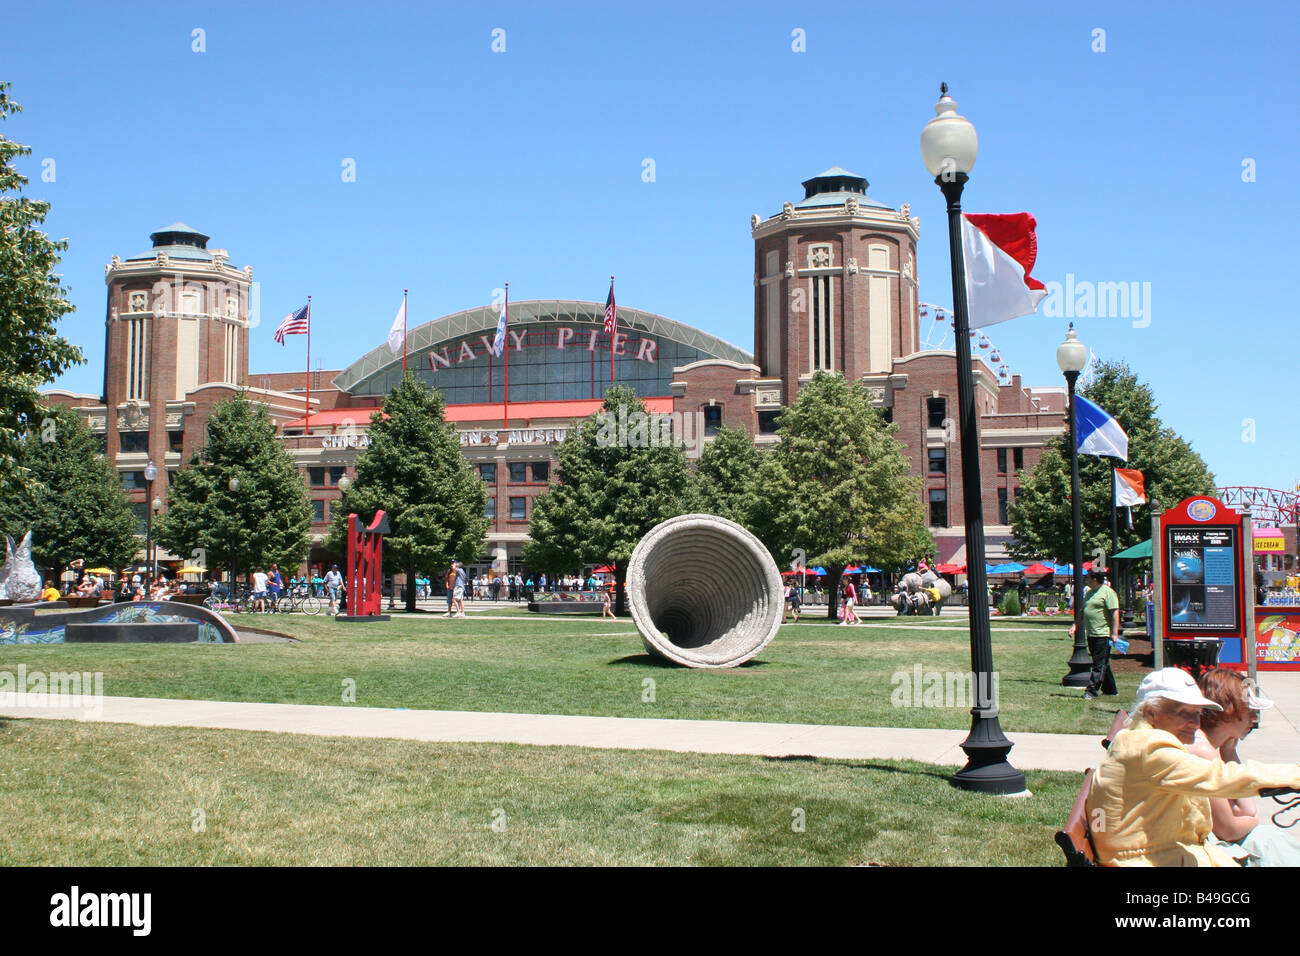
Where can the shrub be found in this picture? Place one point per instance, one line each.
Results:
(1011, 604)
(1042, 604)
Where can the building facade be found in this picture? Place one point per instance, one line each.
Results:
(835, 289)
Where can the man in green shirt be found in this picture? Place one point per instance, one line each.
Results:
(1101, 624)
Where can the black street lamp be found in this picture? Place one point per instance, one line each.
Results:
(153, 559)
(1072, 356)
(948, 147)
(233, 485)
(150, 473)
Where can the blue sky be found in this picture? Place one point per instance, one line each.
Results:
(476, 167)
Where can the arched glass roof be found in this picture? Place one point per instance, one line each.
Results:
(483, 319)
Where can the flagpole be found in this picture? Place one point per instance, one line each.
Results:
(403, 333)
(613, 330)
(505, 347)
(306, 429)
(1114, 511)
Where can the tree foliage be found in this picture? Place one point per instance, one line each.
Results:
(414, 471)
(267, 520)
(71, 498)
(725, 476)
(616, 478)
(31, 303)
(838, 488)
(1041, 520)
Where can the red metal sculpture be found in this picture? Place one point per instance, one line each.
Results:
(365, 565)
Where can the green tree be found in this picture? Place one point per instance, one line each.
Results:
(31, 303)
(838, 488)
(725, 476)
(1041, 520)
(71, 499)
(618, 475)
(265, 520)
(414, 471)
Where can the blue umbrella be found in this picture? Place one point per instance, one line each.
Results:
(1009, 568)
(870, 570)
(818, 570)
(852, 571)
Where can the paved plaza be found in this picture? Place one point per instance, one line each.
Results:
(1277, 740)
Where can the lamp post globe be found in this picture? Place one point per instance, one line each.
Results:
(344, 484)
(949, 146)
(949, 143)
(233, 484)
(1072, 356)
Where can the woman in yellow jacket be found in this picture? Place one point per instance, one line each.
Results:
(1150, 799)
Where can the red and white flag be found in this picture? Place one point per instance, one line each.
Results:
(1000, 253)
(1130, 489)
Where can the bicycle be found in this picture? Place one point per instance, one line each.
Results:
(299, 599)
(240, 603)
(1277, 793)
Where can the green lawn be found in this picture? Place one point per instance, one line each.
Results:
(811, 673)
(109, 795)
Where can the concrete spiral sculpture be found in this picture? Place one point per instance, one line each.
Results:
(704, 592)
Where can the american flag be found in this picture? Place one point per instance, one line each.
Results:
(295, 323)
(611, 311)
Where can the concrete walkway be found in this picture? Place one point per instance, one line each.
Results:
(1278, 739)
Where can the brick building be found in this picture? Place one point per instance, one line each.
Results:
(835, 288)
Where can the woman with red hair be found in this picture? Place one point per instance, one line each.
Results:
(1250, 840)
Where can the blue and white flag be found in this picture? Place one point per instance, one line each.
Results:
(499, 343)
(1098, 433)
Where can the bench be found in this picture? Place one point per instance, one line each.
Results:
(1074, 840)
(1120, 719)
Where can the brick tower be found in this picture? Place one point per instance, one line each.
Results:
(177, 319)
(834, 284)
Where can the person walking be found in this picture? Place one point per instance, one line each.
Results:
(260, 584)
(458, 594)
(449, 582)
(606, 610)
(1101, 626)
(849, 594)
(791, 602)
(333, 582)
(275, 584)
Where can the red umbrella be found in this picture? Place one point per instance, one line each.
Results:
(605, 570)
(951, 568)
(1037, 570)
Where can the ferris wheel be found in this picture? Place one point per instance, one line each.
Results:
(936, 334)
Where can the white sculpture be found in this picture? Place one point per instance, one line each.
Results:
(681, 620)
(19, 579)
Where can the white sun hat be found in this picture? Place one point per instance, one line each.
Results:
(1175, 684)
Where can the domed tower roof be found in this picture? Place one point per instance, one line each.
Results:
(832, 187)
(179, 241)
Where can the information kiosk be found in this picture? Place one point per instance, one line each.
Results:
(1204, 573)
